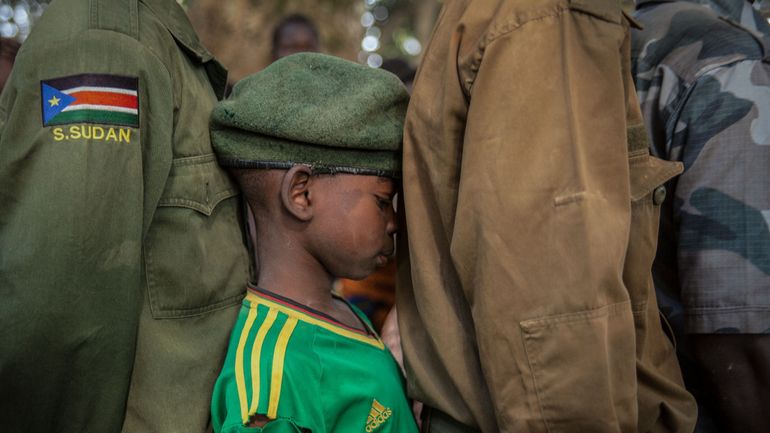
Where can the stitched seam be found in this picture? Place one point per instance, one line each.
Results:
(550, 321)
(532, 364)
(676, 114)
(512, 24)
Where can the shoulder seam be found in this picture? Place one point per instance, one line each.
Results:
(508, 26)
(74, 39)
(129, 27)
(505, 27)
(674, 119)
(757, 37)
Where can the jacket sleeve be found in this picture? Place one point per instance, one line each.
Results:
(720, 202)
(77, 196)
(720, 218)
(542, 223)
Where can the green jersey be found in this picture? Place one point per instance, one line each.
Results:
(307, 372)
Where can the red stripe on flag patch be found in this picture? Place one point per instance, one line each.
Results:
(105, 98)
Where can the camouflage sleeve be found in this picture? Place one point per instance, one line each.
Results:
(721, 207)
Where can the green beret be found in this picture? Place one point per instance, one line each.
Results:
(309, 108)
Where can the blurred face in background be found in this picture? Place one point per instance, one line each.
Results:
(295, 38)
(8, 50)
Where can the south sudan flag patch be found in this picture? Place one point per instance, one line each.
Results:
(90, 98)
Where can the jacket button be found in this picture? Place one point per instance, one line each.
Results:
(659, 195)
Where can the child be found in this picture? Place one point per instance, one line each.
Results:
(314, 142)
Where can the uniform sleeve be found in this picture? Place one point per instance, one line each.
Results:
(721, 212)
(86, 131)
(542, 224)
(721, 203)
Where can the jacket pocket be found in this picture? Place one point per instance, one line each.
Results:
(649, 173)
(195, 259)
(663, 402)
(584, 370)
(648, 191)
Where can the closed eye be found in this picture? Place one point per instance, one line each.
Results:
(384, 203)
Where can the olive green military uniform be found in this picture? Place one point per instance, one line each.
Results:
(121, 257)
(531, 203)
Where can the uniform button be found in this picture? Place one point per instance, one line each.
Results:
(659, 195)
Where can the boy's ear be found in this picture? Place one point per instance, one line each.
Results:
(295, 192)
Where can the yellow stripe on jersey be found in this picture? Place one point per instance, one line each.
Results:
(240, 380)
(256, 299)
(278, 357)
(376, 405)
(256, 353)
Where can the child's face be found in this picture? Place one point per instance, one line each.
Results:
(354, 224)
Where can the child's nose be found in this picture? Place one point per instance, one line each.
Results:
(392, 226)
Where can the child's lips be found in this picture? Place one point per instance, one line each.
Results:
(382, 259)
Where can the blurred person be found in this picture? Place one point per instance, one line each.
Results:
(121, 258)
(525, 299)
(402, 69)
(703, 78)
(295, 33)
(8, 50)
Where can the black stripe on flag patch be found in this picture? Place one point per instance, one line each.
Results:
(98, 80)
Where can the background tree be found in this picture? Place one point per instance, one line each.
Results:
(239, 32)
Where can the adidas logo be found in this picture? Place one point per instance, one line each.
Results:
(378, 414)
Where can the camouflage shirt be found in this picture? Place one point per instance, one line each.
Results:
(702, 74)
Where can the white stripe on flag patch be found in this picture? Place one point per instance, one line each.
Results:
(99, 89)
(101, 108)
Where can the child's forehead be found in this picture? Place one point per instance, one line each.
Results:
(380, 182)
(390, 182)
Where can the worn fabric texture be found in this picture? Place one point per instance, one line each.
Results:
(330, 113)
(121, 258)
(531, 206)
(703, 77)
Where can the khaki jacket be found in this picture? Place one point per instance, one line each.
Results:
(531, 207)
(121, 258)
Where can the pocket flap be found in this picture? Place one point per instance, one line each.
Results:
(632, 22)
(649, 172)
(608, 10)
(197, 183)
